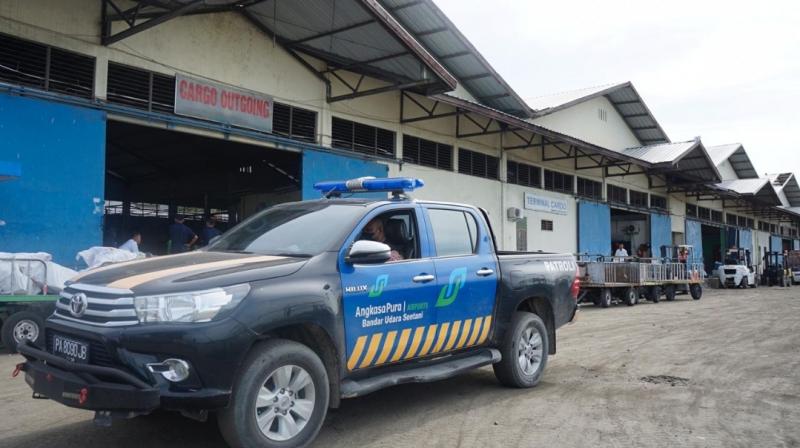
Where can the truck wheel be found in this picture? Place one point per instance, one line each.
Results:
(605, 298)
(279, 399)
(524, 350)
(669, 293)
(696, 291)
(654, 294)
(22, 325)
(631, 296)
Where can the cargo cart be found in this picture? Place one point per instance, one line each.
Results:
(25, 301)
(606, 279)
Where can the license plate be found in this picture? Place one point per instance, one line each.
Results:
(75, 351)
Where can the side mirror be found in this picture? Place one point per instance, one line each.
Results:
(364, 251)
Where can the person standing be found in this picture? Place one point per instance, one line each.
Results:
(621, 252)
(209, 232)
(132, 245)
(181, 237)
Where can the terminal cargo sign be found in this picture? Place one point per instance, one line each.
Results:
(545, 204)
(222, 103)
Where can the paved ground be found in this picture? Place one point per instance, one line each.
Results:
(720, 372)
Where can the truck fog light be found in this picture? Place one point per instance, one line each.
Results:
(174, 370)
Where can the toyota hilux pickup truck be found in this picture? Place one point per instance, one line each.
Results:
(300, 306)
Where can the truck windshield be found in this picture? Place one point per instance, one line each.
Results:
(303, 229)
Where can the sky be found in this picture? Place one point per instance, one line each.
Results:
(727, 71)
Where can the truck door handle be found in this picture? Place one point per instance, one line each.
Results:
(423, 278)
(483, 272)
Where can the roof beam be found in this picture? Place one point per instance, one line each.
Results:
(440, 29)
(331, 32)
(177, 12)
(617, 103)
(474, 77)
(377, 90)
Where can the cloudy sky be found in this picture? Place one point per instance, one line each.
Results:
(728, 71)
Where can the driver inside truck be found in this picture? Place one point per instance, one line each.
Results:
(374, 231)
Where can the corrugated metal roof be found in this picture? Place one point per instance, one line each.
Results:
(662, 153)
(744, 186)
(738, 158)
(623, 96)
(787, 184)
(687, 159)
(359, 35)
(431, 27)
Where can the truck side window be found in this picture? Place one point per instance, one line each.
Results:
(399, 232)
(453, 232)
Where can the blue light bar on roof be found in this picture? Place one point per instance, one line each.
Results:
(369, 184)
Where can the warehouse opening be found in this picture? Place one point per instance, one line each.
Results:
(154, 174)
(713, 244)
(631, 228)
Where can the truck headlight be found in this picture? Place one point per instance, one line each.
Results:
(193, 306)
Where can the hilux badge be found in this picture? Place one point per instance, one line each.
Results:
(77, 304)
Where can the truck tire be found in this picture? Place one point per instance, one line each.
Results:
(605, 298)
(22, 324)
(669, 293)
(631, 296)
(524, 351)
(283, 388)
(696, 291)
(654, 294)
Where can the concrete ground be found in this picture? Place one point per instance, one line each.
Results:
(720, 372)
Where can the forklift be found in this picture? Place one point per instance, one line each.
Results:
(776, 272)
(736, 270)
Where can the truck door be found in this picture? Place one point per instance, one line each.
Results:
(389, 312)
(467, 276)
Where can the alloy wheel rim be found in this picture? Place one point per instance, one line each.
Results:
(529, 351)
(285, 403)
(26, 330)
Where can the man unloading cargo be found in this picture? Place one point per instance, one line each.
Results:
(132, 245)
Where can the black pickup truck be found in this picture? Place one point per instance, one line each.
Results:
(300, 306)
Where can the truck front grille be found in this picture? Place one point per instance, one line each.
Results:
(730, 271)
(96, 305)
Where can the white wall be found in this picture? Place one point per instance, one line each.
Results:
(563, 238)
(726, 170)
(582, 121)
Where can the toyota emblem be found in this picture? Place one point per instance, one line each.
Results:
(78, 304)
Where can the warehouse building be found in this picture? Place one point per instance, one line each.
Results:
(223, 108)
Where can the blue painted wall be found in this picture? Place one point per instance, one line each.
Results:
(594, 228)
(694, 237)
(61, 150)
(746, 242)
(660, 232)
(321, 166)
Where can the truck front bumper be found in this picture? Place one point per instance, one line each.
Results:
(86, 386)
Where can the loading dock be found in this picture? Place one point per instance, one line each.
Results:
(153, 174)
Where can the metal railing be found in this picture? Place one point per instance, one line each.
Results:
(609, 270)
(24, 277)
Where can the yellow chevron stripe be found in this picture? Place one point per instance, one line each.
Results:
(476, 329)
(374, 343)
(487, 324)
(401, 345)
(136, 280)
(415, 342)
(464, 333)
(442, 337)
(387, 347)
(351, 363)
(453, 335)
(428, 340)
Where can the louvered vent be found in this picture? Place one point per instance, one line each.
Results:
(141, 89)
(30, 64)
(294, 122)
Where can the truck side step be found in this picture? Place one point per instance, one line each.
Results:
(426, 374)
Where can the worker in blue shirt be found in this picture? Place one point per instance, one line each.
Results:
(181, 237)
(209, 231)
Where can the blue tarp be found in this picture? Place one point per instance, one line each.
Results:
(660, 232)
(746, 242)
(694, 237)
(594, 228)
(323, 166)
